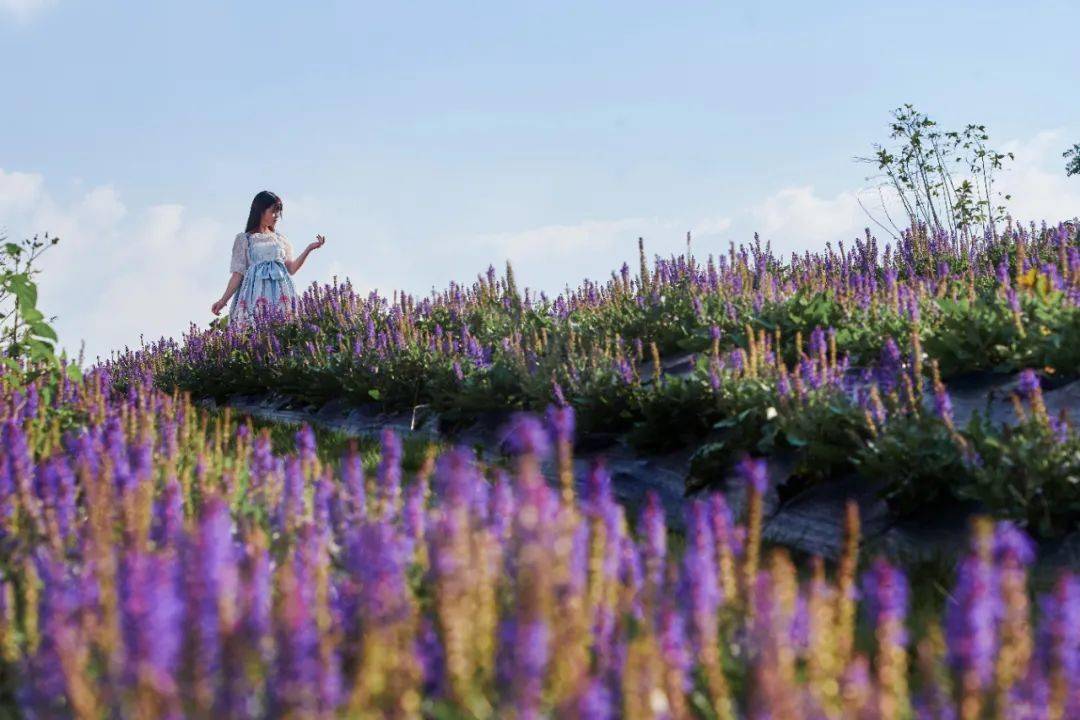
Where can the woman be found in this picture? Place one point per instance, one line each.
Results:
(262, 262)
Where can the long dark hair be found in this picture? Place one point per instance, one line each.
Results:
(265, 199)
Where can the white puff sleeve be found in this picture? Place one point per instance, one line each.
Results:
(239, 261)
(286, 246)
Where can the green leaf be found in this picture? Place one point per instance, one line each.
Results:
(42, 330)
(374, 394)
(30, 315)
(23, 290)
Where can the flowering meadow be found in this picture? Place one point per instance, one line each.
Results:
(838, 362)
(159, 559)
(157, 563)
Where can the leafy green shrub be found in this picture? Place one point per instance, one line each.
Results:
(1029, 472)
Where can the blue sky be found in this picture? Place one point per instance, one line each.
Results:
(426, 140)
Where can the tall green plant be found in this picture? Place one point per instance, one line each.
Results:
(941, 178)
(27, 336)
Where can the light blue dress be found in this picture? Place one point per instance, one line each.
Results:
(262, 257)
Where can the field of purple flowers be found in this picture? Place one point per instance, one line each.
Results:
(160, 563)
(836, 363)
(161, 560)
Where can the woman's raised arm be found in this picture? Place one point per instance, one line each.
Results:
(293, 265)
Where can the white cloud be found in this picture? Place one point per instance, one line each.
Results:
(1037, 180)
(550, 257)
(18, 191)
(562, 240)
(117, 274)
(23, 10)
(101, 207)
(710, 227)
(798, 218)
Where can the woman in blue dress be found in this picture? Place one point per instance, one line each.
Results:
(261, 263)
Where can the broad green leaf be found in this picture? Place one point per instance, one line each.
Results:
(42, 329)
(31, 315)
(24, 291)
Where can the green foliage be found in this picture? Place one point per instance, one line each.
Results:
(28, 339)
(817, 436)
(332, 444)
(1072, 158)
(942, 178)
(26, 333)
(672, 414)
(916, 460)
(761, 356)
(1029, 473)
(986, 333)
(822, 435)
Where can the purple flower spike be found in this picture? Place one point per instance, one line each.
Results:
(293, 689)
(890, 364)
(755, 473)
(305, 443)
(1012, 542)
(389, 472)
(211, 585)
(970, 619)
(525, 435)
(673, 645)
(169, 515)
(595, 702)
(292, 501)
(886, 592)
(561, 421)
(413, 513)
(62, 599)
(1059, 633)
(432, 658)
(943, 404)
(700, 588)
(557, 391)
(530, 658)
(152, 617)
(653, 532)
(379, 556)
(502, 505)
(1028, 385)
(352, 480)
(454, 477)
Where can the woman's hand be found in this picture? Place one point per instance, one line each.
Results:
(217, 307)
(319, 242)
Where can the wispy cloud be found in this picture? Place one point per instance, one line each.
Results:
(551, 256)
(117, 273)
(23, 10)
(18, 191)
(1037, 180)
(799, 218)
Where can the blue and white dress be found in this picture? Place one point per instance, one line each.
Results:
(261, 257)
